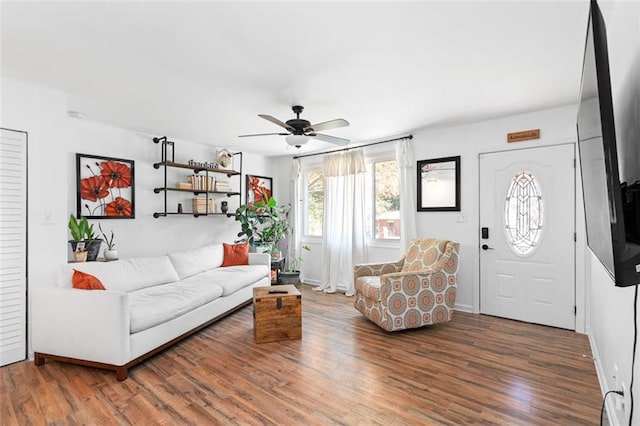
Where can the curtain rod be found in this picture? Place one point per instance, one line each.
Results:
(353, 147)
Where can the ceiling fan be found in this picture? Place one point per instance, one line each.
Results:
(301, 130)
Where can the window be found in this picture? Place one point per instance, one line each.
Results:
(383, 203)
(386, 206)
(523, 213)
(313, 202)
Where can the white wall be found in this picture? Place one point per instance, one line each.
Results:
(55, 138)
(610, 322)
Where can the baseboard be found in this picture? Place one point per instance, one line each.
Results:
(612, 413)
(463, 308)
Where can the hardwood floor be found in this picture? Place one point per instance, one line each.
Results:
(345, 370)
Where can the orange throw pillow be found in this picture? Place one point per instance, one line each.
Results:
(85, 281)
(235, 254)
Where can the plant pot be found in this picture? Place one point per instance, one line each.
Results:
(79, 256)
(289, 277)
(110, 254)
(92, 248)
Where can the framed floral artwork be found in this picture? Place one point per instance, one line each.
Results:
(259, 188)
(105, 187)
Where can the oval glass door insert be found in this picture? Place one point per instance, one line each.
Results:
(523, 213)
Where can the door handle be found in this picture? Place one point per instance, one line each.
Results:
(486, 247)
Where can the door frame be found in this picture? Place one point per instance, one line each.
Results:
(580, 285)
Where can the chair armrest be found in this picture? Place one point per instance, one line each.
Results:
(376, 269)
(260, 259)
(398, 282)
(91, 325)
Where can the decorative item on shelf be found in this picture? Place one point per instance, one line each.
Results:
(80, 252)
(223, 157)
(203, 205)
(203, 164)
(83, 235)
(224, 207)
(110, 253)
(180, 208)
(105, 187)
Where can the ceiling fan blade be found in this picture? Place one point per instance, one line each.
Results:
(276, 121)
(263, 134)
(326, 125)
(331, 139)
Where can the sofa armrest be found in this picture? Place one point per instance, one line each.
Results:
(376, 269)
(89, 325)
(260, 259)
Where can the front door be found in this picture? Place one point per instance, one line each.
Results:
(527, 254)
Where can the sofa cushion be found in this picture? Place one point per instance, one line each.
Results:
(84, 281)
(158, 304)
(235, 254)
(126, 274)
(191, 262)
(231, 278)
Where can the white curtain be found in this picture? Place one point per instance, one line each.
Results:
(343, 231)
(295, 213)
(407, 176)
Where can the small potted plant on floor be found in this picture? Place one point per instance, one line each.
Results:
(81, 231)
(292, 274)
(110, 253)
(264, 223)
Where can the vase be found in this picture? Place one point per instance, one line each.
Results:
(110, 254)
(224, 207)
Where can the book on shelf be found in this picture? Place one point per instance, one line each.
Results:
(202, 182)
(184, 185)
(223, 186)
(200, 205)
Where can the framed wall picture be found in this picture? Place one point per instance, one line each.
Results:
(439, 184)
(259, 188)
(105, 187)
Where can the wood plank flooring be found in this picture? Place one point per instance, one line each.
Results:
(473, 370)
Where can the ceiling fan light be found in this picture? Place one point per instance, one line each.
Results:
(297, 140)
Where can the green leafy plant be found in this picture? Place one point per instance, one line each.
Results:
(109, 241)
(79, 228)
(295, 259)
(264, 222)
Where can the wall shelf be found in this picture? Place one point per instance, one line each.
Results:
(166, 164)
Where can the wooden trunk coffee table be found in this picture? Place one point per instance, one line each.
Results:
(277, 313)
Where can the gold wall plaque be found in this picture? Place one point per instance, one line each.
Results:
(523, 136)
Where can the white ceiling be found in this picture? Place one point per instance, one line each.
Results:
(202, 71)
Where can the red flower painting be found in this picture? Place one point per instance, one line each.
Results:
(258, 189)
(93, 188)
(117, 175)
(118, 207)
(105, 187)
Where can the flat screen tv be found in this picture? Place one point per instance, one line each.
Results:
(610, 169)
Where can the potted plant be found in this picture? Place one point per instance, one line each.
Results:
(292, 274)
(264, 223)
(81, 231)
(110, 253)
(80, 252)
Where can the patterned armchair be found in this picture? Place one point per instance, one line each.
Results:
(417, 290)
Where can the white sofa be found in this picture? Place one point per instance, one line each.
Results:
(149, 304)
